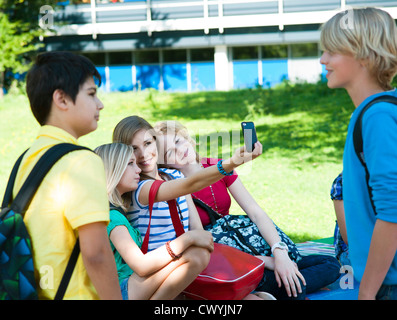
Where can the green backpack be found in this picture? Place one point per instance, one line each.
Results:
(17, 281)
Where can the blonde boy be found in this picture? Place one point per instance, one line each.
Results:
(360, 55)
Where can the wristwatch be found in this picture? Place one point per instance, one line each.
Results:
(279, 245)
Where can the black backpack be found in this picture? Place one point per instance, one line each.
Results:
(17, 281)
(358, 137)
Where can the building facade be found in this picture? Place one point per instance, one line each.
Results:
(193, 45)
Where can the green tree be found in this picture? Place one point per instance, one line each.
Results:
(20, 35)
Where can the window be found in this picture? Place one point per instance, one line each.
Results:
(245, 53)
(120, 58)
(202, 55)
(174, 55)
(302, 50)
(97, 58)
(275, 51)
(147, 56)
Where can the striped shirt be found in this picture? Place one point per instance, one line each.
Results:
(161, 228)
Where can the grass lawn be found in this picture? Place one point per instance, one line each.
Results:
(301, 127)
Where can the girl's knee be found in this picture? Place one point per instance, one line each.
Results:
(197, 257)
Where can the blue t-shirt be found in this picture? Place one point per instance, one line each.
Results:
(380, 152)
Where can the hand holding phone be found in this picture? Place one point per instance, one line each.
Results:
(249, 134)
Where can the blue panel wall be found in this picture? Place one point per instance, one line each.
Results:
(102, 72)
(120, 78)
(274, 71)
(203, 76)
(245, 74)
(174, 77)
(324, 72)
(148, 76)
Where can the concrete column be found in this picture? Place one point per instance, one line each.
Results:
(221, 61)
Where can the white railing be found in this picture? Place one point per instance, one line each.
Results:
(206, 21)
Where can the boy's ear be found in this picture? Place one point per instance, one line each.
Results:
(364, 62)
(60, 99)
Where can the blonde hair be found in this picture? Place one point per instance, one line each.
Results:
(176, 128)
(370, 35)
(115, 157)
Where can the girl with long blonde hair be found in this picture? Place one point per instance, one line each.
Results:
(162, 273)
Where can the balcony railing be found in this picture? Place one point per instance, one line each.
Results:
(96, 17)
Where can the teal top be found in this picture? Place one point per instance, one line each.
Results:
(119, 219)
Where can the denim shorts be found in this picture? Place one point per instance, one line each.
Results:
(124, 289)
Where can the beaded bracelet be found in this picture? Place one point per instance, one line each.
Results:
(221, 170)
(171, 253)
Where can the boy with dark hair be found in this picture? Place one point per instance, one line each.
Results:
(71, 203)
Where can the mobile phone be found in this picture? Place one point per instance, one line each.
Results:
(249, 134)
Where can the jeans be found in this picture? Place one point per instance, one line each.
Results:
(124, 289)
(318, 271)
(387, 293)
(344, 258)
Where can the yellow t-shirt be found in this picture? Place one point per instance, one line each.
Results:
(72, 194)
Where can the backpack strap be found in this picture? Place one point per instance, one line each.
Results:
(28, 189)
(212, 214)
(68, 271)
(176, 221)
(152, 195)
(7, 199)
(40, 170)
(173, 212)
(173, 207)
(358, 137)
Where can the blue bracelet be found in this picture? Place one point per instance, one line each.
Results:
(221, 170)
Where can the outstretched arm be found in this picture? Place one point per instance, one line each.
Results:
(179, 187)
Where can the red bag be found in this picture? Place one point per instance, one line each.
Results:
(231, 274)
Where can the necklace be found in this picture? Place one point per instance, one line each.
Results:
(212, 193)
(213, 197)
